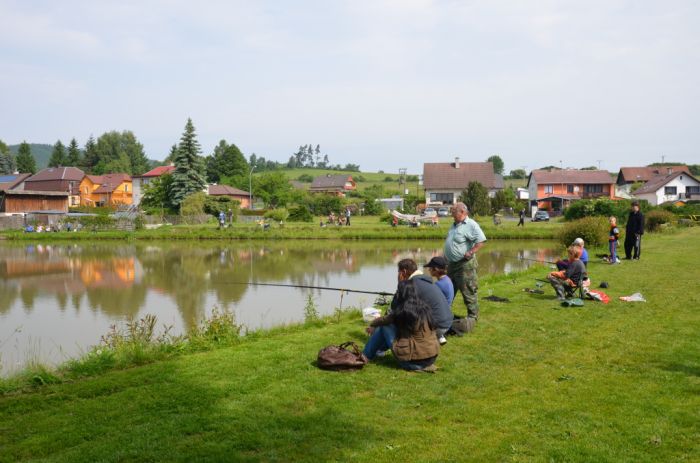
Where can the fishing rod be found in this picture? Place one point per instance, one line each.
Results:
(327, 288)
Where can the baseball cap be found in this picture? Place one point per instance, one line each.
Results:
(437, 262)
(578, 241)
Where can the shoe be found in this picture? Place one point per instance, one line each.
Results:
(442, 340)
(429, 369)
(561, 299)
(381, 353)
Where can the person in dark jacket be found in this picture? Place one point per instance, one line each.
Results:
(634, 232)
(429, 292)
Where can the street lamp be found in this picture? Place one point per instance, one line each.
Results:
(250, 188)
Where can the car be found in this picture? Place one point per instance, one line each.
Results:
(428, 212)
(443, 212)
(541, 216)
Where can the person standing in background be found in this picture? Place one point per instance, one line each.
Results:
(634, 232)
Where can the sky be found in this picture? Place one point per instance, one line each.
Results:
(385, 84)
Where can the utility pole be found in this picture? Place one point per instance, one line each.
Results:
(663, 159)
(599, 161)
(402, 180)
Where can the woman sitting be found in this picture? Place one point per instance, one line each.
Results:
(408, 330)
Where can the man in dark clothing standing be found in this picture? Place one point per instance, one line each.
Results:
(634, 232)
(522, 218)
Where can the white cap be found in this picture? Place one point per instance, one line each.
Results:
(578, 241)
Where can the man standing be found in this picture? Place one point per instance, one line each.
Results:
(464, 240)
(521, 222)
(634, 232)
(347, 216)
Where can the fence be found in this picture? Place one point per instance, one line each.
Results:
(11, 222)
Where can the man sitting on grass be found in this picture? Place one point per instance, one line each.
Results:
(566, 281)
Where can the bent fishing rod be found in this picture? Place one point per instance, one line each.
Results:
(326, 288)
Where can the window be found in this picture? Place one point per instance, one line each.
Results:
(126, 187)
(569, 188)
(592, 188)
(670, 190)
(692, 190)
(444, 198)
(549, 188)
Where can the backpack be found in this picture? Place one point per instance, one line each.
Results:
(339, 358)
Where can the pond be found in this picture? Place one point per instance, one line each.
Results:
(56, 300)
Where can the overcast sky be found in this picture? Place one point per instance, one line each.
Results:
(381, 83)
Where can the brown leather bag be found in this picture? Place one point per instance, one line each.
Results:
(341, 358)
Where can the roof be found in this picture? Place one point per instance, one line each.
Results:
(660, 180)
(565, 197)
(444, 175)
(225, 190)
(57, 173)
(34, 193)
(110, 182)
(644, 174)
(8, 182)
(331, 181)
(158, 171)
(571, 176)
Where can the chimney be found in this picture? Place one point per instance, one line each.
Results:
(669, 171)
(457, 162)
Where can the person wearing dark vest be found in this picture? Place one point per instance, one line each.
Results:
(634, 232)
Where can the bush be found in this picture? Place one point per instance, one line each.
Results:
(306, 178)
(593, 230)
(193, 204)
(388, 179)
(96, 221)
(278, 215)
(655, 219)
(301, 214)
(213, 205)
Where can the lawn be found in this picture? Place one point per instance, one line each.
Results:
(367, 227)
(534, 382)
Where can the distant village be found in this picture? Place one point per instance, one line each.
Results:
(55, 190)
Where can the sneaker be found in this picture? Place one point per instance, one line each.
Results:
(442, 340)
(381, 353)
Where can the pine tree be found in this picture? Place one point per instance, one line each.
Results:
(25, 161)
(170, 158)
(90, 158)
(58, 155)
(7, 162)
(73, 154)
(188, 176)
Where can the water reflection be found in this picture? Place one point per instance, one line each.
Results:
(58, 299)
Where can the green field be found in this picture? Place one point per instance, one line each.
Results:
(535, 382)
(370, 179)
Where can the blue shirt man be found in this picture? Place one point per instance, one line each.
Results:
(463, 241)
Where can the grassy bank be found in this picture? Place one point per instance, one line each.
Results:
(535, 382)
(362, 228)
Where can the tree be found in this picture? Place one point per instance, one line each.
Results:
(228, 162)
(90, 158)
(188, 176)
(58, 155)
(170, 158)
(73, 158)
(156, 194)
(499, 201)
(518, 174)
(273, 188)
(119, 152)
(193, 204)
(25, 161)
(497, 164)
(7, 161)
(476, 197)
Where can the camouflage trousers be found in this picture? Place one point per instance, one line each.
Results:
(465, 280)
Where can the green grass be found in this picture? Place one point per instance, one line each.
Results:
(535, 382)
(370, 178)
(362, 228)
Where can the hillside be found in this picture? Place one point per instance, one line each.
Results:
(363, 179)
(40, 151)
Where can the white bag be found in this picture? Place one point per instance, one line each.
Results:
(370, 313)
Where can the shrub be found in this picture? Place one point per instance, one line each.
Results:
(301, 214)
(215, 204)
(193, 204)
(306, 178)
(278, 215)
(388, 179)
(96, 221)
(655, 219)
(593, 230)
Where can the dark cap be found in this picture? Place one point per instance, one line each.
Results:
(635, 203)
(437, 262)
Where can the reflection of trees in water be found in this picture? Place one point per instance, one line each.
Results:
(105, 273)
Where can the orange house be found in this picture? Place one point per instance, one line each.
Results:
(554, 190)
(106, 190)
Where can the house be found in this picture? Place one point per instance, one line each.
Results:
(332, 184)
(522, 193)
(675, 186)
(26, 201)
(628, 176)
(106, 190)
(13, 181)
(234, 193)
(554, 190)
(138, 182)
(444, 182)
(66, 179)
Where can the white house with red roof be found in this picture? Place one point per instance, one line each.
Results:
(444, 182)
(138, 182)
(672, 187)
